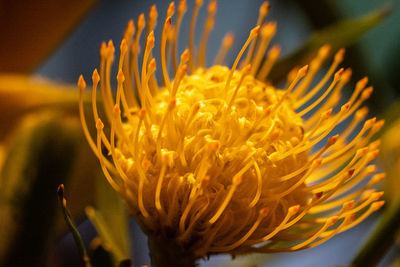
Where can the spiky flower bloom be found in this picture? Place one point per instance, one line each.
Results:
(221, 161)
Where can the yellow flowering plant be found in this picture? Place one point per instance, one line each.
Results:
(218, 159)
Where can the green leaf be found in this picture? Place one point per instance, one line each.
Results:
(341, 34)
(110, 219)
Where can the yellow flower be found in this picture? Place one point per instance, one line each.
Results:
(221, 161)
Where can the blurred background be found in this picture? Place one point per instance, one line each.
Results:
(60, 40)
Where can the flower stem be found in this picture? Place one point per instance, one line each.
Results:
(165, 252)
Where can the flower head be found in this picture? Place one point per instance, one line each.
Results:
(218, 160)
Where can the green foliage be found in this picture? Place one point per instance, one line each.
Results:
(41, 156)
(341, 34)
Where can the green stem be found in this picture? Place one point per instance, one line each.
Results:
(166, 253)
(381, 240)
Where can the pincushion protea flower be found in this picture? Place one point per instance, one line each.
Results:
(218, 160)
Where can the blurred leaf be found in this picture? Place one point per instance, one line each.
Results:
(41, 156)
(341, 34)
(21, 94)
(32, 29)
(110, 219)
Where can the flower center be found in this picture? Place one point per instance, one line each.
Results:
(210, 134)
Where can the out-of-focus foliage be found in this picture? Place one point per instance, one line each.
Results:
(41, 156)
(338, 35)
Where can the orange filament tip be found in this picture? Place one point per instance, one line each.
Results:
(268, 111)
(150, 39)
(352, 217)
(318, 162)
(120, 76)
(276, 134)
(166, 158)
(171, 9)
(362, 83)
(254, 32)
(142, 113)
(367, 92)
(376, 143)
(294, 209)
(199, 2)
(328, 113)
(146, 164)
(228, 40)
(168, 22)
(340, 55)
(318, 195)
(345, 107)
(377, 205)
(264, 8)
(141, 22)
(206, 180)
(196, 107)
(377, 195)
(81, 83)
(152, 64)
(269, 29)
(370, 169)
(264, 212)
(185, 56)
(247, 68)
(361, 113)
(332, 220)
(367, 194)
(212, 7)
(123, 47)
(370, 122)
(362, 151)
(379, 125)
(332, 140)
(184, 69)
(172, 103)
(303, 71)
(117, 110)
(347, 74)
(324, 51)
(95, 76)
(103, 49)
(237, 180)
(130, 27)
(213, 146)
(374, 154)
(349, 204)
(274, 52)
(378, 178)
(338, 74)
(182, 6)
(153, 12)
(110, 44)
(292, 73)
(99, 124)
